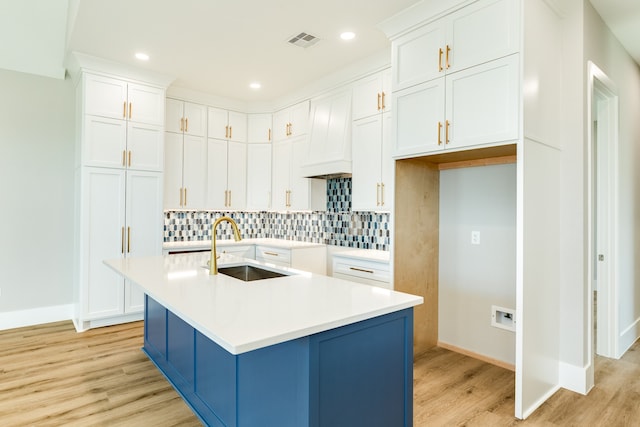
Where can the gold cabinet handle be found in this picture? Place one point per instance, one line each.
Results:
(122, 241)
(185, 196)
(383, 106)
(229, 198)
(269, 134)
(377, 194)
(124, 158)
(186, 125)
(130, 108)
(362, 270)
(230, 132)
(382, 194)
(447, 60)
(129, 158)
(226, 198)
(182, 124)
(226, 131)
(379, 103)
(271, 253)
(446, 131)
(439, 133)
(128, 240)
(440, 52)
(180, 196)
(124, 110)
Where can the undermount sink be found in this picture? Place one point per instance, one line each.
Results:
(249, 273)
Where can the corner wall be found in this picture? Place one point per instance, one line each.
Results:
(36, 160)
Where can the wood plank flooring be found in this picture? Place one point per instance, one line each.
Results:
(52, 376)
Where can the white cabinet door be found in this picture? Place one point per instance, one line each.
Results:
(145, 147)
(105, 97)
(366, 164)
(372, 95)
(481, 32)
(299, 118)
(259, 128)
(281, 175)
(418, 55)
(144, 227)
(299, 196)
(194, 172)
(174, 115)
(387, 189)
(237, 126)
(195, 119)
(259, 176)
(217, 195)
(236, 175)
(419, 118)
(104, 142)
(483, 103)
(173, 170)
(103, 237)
(146, 104)
(217, 123)
(280, 125)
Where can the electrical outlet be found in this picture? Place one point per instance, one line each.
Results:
(475, 237)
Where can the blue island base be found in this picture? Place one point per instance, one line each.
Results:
(356, 375)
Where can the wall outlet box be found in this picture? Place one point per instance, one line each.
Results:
(503, 318)
(475, 237)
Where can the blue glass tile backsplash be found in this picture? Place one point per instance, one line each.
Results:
(338, 225)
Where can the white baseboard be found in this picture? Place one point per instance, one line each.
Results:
(35, 316)
(627, 338)
(576, 378)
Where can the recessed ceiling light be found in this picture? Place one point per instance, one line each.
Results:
(348, 35)
(142, 56)
(255, 85)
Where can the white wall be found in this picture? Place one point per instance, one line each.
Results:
(605, 51)
(472, 278)
(36, 214)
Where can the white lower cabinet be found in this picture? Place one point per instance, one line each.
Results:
(312, 258)
(367, 271)
(120, 216)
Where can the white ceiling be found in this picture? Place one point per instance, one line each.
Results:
(220, 46)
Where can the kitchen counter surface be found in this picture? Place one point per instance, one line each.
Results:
(365, 254)
(243, 316)
(202, 244)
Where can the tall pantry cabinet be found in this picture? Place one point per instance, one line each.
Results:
(119, 187)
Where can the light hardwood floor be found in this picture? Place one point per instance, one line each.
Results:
(52, 376)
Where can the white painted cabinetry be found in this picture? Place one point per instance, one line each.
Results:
(372, 95)
(290, 190)
(122, 125)
(291, 122)
(185, 173)
(229, 125)
(456, 80)
(376, 272)
(227, 177)
(258, 176)
(372, 179)
(119, 196)
(309, 258)
(259, 128)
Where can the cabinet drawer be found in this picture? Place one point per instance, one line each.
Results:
(246, 251)
(362, 271)
(275, 255)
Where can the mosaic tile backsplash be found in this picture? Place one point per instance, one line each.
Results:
(337, 226)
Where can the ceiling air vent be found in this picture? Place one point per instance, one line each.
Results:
(303, 40)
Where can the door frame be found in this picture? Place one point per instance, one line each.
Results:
(602, 92)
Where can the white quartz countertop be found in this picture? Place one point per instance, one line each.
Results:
(243, 316)
(277, 243)
(365, 254)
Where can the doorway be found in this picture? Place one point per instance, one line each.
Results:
(603, 200)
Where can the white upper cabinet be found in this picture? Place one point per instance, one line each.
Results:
(372, 95)
(259, 128)
(291, 122)
(227, 174)
(119, 99)
(185, 117)
(122, 124)
(481, 32)
(229, 125)
(259, 176)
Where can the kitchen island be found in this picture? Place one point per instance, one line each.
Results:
(298, 350)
